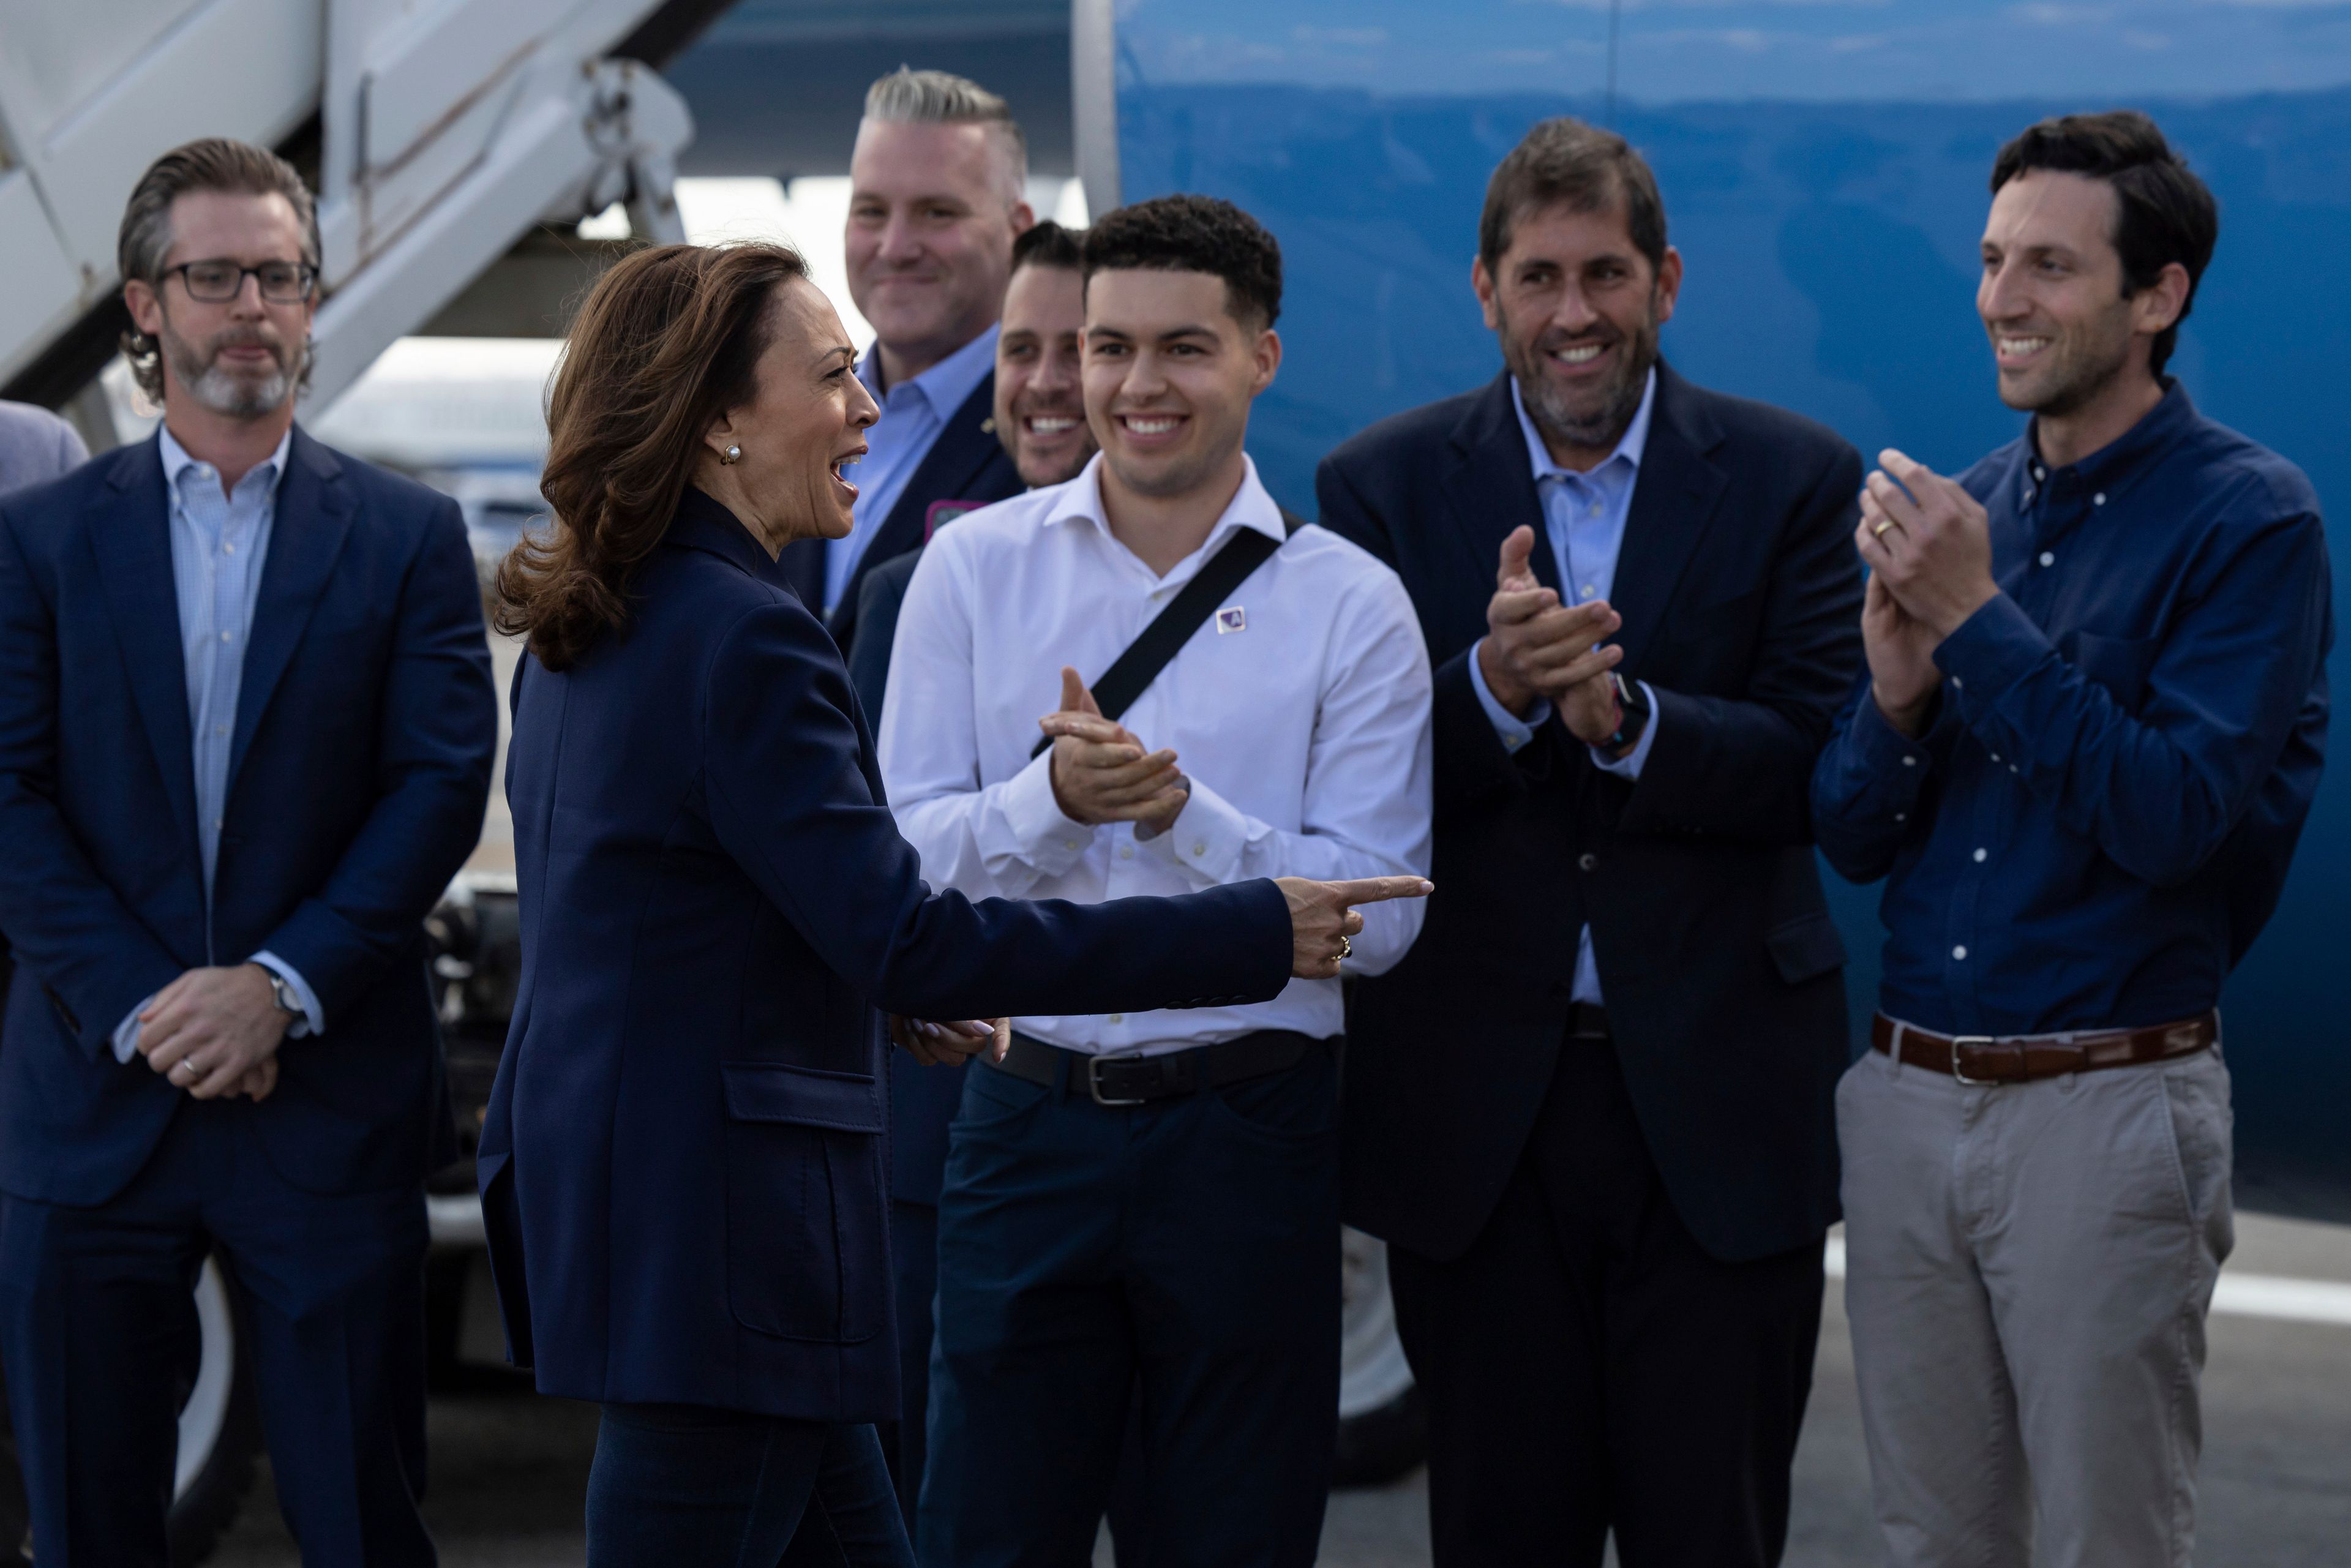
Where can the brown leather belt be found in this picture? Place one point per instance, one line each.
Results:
(1130, 1080)
(1982, 1059)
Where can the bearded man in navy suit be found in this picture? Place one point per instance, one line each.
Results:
(1592, 1112)
(245, 730)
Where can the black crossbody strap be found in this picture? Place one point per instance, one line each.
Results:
(1136, 669)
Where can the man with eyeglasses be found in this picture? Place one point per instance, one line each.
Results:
(246, 730)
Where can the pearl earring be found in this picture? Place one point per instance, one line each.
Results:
(731, 455)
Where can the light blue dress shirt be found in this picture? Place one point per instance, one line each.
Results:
(912, 414)
(219, 542)
(1584, 513)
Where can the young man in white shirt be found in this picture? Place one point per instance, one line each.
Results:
(1148, 1202)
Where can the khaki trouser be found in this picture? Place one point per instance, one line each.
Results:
(2027, 1267)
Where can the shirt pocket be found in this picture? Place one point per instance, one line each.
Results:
(805, 1219)
(2118, 663)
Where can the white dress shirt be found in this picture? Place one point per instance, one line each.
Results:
(1300, 714)
(1584, 515)
(912, 414)
(219, 543)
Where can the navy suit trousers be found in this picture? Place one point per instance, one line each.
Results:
(99, 1328)
(1183, 1253)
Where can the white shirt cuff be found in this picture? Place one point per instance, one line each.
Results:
(1207, 839)
(1041, 835)
(126, 1033)
(1629, 765)
(1514, 731)
(314, 1017)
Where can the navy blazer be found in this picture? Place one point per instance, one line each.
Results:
(683, 1165)
(359, 766)
(1740, 592)
(966, 462)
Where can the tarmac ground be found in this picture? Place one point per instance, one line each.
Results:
(509, 1468)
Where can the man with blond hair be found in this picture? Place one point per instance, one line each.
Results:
(937, 183)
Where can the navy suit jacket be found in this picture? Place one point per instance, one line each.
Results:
(683, 1165)
(1740, 592)
(359, 766)
(966, 462)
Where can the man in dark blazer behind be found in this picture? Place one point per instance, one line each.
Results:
(1591, 1111)
(246, 730)
(937, 195)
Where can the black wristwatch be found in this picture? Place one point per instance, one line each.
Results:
(1632, 716)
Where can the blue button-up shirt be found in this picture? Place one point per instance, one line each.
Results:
(219, 541)
(912, 414)
(1584, 515)
(2098, 815)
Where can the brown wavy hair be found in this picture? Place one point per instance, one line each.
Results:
(665, 342)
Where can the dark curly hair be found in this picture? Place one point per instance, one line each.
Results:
(2164, 213)
(1193, 233)
(667, 340)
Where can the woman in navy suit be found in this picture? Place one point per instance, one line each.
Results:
(682, 1167)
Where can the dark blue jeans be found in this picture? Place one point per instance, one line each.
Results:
(1182, 1256)
(685, 1486)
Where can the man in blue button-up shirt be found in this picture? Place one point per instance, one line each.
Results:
(2089, 733)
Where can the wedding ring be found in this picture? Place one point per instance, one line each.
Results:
(183, 1065)
(1346, 946)
(1879, 531)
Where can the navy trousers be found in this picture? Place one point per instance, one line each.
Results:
(1183, 1254)
(99, 1329)
(684, 1486)
(915, 1266)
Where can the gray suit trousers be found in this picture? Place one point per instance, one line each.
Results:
(2028, 1269)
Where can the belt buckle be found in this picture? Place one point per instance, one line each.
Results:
(1094, 1079)
(1964, 1040)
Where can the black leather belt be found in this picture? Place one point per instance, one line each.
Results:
(1128, 1080)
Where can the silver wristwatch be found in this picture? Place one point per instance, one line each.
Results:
(281, 993)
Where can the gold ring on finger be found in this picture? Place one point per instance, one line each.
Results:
(1879, 531)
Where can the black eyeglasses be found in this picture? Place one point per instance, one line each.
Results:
(218, 282)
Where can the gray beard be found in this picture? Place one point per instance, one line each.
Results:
(1604, 429)
(225, 392)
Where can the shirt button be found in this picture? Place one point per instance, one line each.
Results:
(1980, 855)
(1199, 849)
(1587, 591)
(1116, 1018)
(220, 729)
(227, 548)
(1909, 761)
(1960, 951)
(1586, 860)
(1069, 843)
(1901, 816)
(226, 635)
(1995, 757)
(1957, 684)
(2099, 499)
(2048, 558)
(1126, 851)
(2039, 472)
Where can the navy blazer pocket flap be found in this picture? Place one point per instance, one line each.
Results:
(1806, 949)
(804, 1096)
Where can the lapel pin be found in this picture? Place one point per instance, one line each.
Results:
(1234, 619)
(988, 427)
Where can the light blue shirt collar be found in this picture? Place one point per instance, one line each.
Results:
(178, 461)
(944, 386)
(1629, 446)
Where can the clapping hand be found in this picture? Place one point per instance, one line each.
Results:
(1536, 647)
(1102, 773)
(1928, 546)
(951, 1044)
